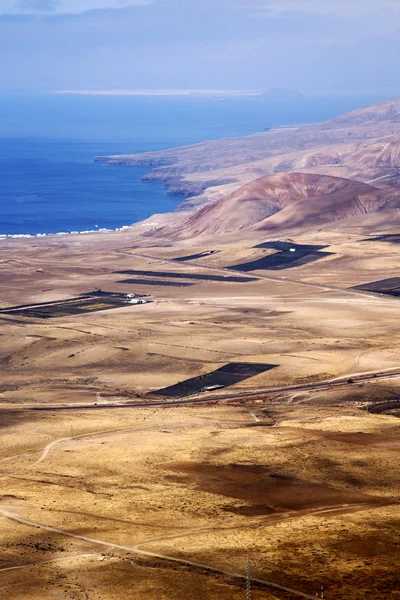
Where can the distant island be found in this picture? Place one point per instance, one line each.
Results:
(159, 92)
(273, 93)
(281, 94)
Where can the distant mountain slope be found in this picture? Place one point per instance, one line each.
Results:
(348, 201)
(387, 110)
(363, 145)
(380, 153)
(284, 201)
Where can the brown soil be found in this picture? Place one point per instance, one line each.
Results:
(260, 486)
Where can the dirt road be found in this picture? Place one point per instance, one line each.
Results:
(6, 513)
(349, 381)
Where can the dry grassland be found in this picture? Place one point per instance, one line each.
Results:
(312, 499)
(306, 484)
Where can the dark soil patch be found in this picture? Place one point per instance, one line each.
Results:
(263, 489)
(195, 256)
(86, 303)
(384, 408)
(156, 282)
(389, 287)
(225, 376)
(180, 275)
(288, 256)
(13, 418)
(393, 238)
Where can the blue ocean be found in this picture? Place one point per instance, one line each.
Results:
(49, 182)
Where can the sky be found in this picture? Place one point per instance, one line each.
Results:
(341, 46)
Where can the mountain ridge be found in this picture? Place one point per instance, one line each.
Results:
(282, 179)
(344, 146)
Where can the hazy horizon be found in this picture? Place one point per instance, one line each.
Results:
(308, 45)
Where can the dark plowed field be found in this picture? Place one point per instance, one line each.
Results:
(225, 376)
(160, 282)
(86, 303)
(389, 287)
(180, 275)
(283, 246)
(393, 238)
(194, 256)
(384, 408)
(288, 256)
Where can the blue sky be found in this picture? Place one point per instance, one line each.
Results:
(343, 45)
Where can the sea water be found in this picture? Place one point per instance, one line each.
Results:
(49, 182)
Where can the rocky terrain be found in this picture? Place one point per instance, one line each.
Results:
(363, 145)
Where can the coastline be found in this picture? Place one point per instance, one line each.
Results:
(5, 236)
(193, 169)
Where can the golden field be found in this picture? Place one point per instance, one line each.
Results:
(171, 501)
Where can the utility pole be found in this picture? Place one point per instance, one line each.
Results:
(248, 580)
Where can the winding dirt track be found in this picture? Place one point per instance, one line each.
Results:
(136, 550)
(46, 451)
(269, 520)
(11, 515)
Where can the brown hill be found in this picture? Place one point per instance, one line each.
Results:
(283, 201)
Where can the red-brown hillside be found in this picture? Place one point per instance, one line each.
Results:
(286, 200)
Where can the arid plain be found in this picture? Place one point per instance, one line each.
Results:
(170, 496)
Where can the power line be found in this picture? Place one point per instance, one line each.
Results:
(248, 580)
